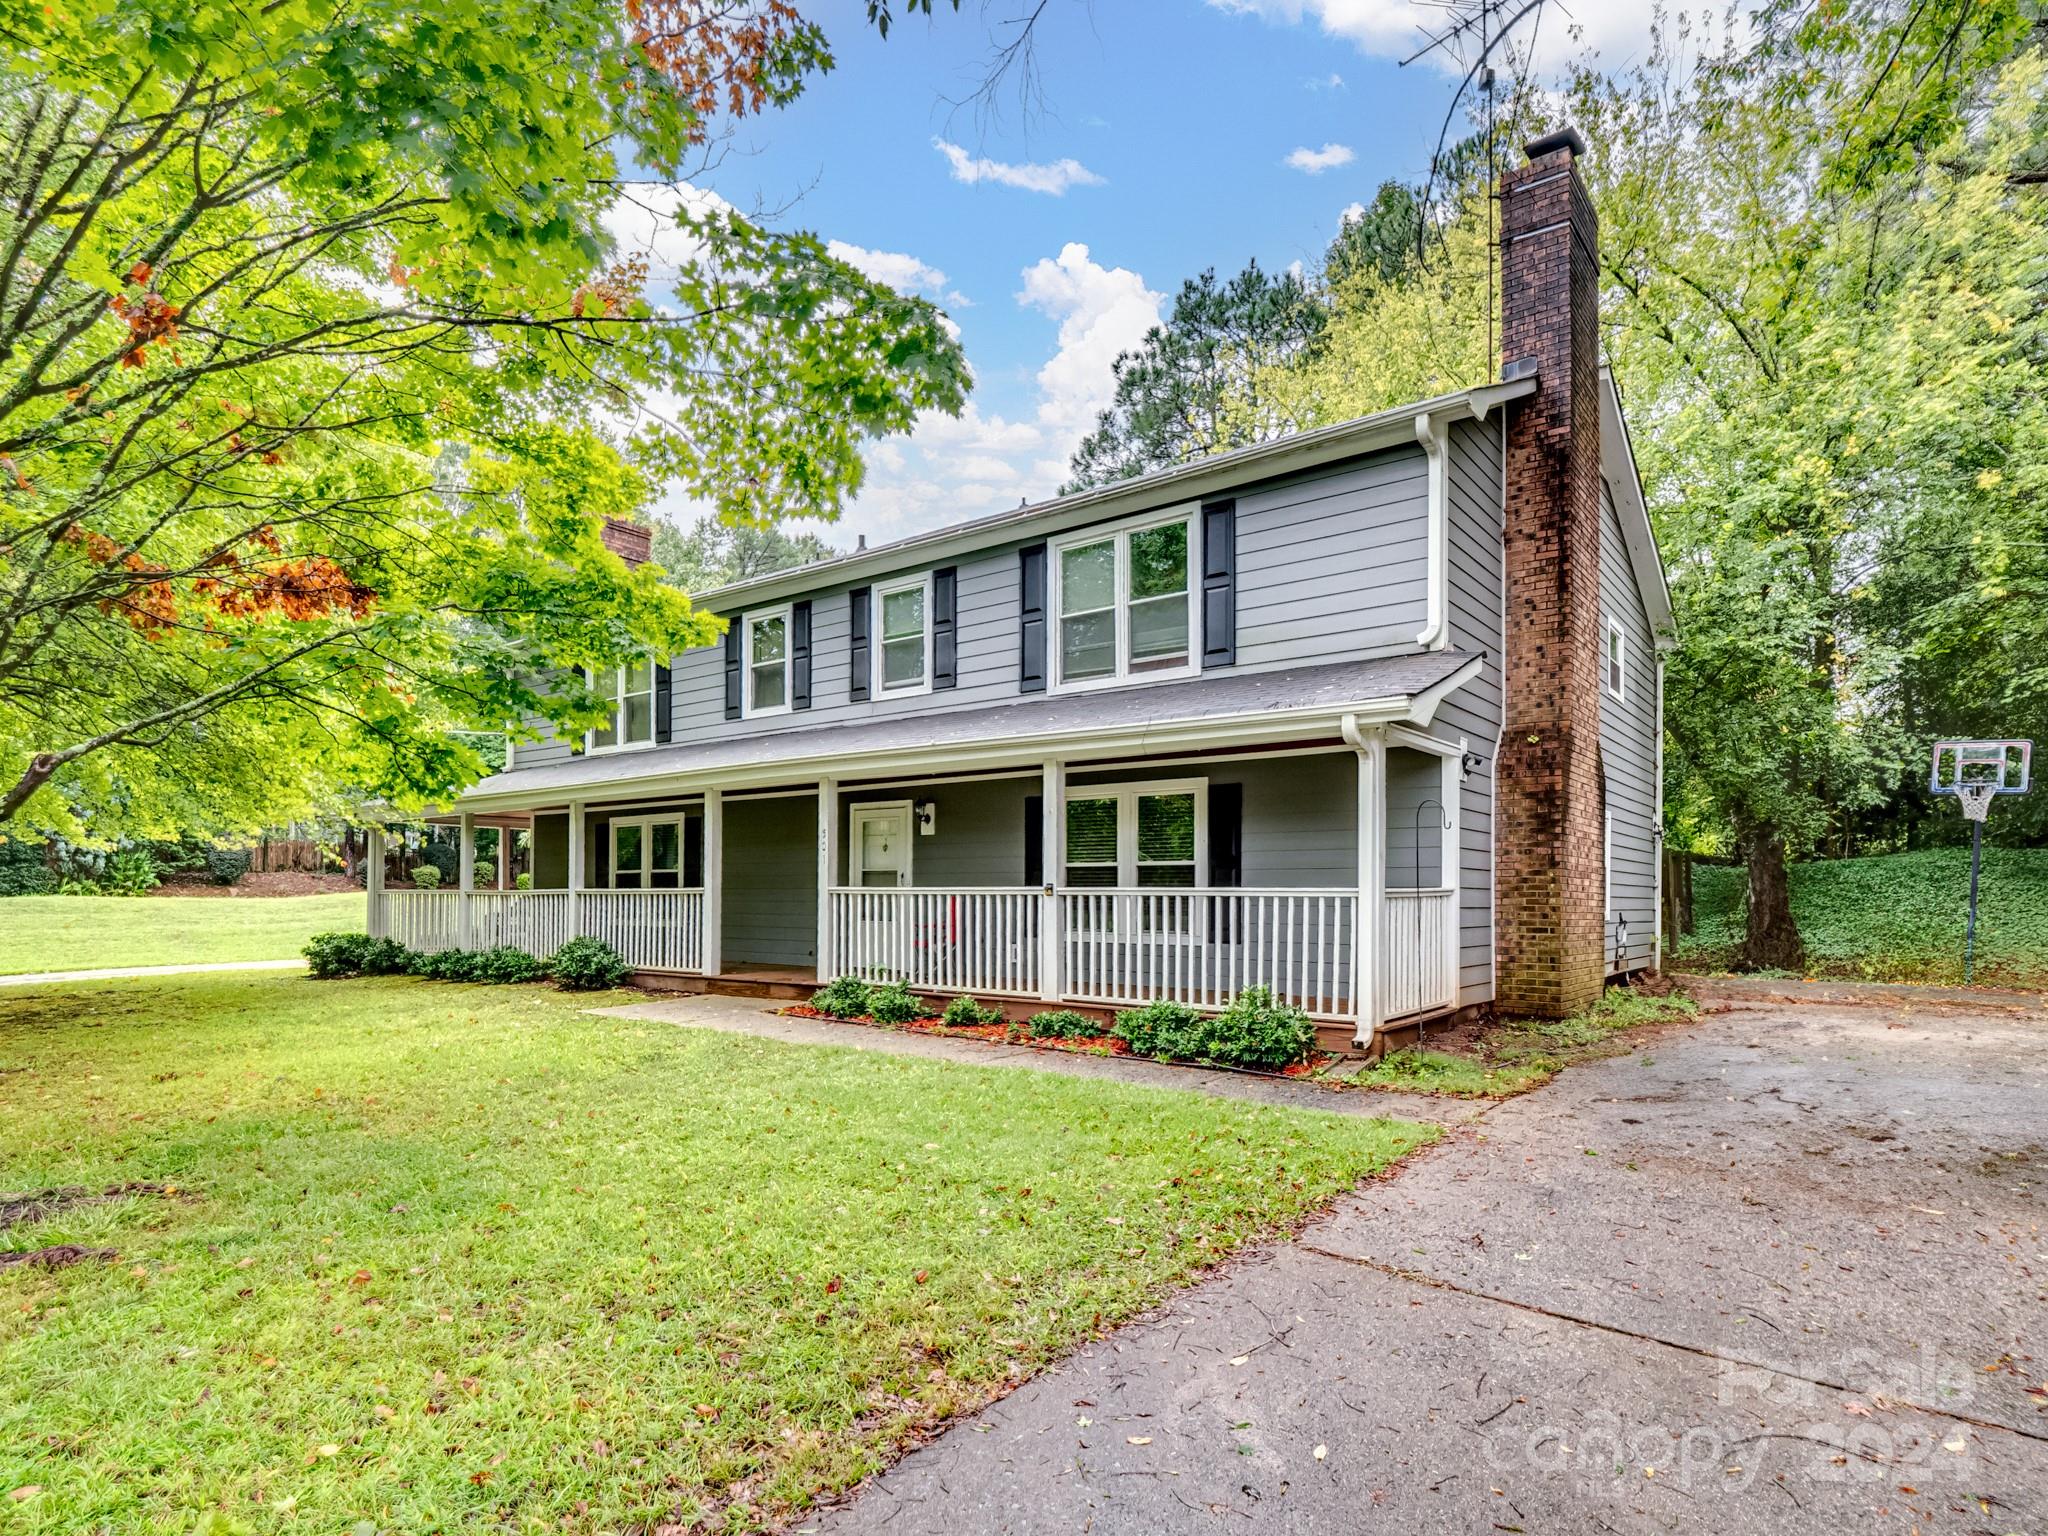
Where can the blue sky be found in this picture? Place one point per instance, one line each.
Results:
(1172, 135)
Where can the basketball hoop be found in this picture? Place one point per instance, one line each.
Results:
(1976, 773)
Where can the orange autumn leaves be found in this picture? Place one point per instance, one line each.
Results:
(297, 589)
(151, 317)
(714, 52)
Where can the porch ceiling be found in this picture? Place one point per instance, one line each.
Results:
(1219, 708)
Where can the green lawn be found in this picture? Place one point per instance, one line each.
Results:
(82, 933)
(1894, 917)
(463, 1258)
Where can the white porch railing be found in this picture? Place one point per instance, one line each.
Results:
(651, 930)
(1416, 951)
(535, 921)
(427, 921)
(1128, 947)
(939, 939)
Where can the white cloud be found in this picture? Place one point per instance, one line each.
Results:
(1317, 161)
(1394, 28)
(1053, 179)
(1350, 213)
(901, 271)
(1102, 311)
(1330, 82)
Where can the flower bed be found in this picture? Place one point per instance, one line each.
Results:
(992, 1034)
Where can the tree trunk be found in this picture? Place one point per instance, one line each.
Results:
(1771, 940)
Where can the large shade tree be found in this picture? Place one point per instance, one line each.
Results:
(319, 367)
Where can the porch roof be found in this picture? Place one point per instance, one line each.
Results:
(1219, 709)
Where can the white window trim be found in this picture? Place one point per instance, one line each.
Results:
(876, 640)
(858, 812)
(646, 824)
(618, 697)
(1127, 795)
(1614, 660)
(747, 623)
(1120, 532)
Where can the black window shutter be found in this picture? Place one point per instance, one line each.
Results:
(1031, 630)
(1034, 840)
(733, 638)
(664, 701)
(1219, 584)
(578, 740)
(859, 601)
(945, 627)
(1226, 835)
(800, 655)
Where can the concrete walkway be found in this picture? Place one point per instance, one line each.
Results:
(39, 978)
(739, 1015)
(1783, 1271)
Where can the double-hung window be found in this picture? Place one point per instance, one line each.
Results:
(766, 657)
(1124, 602)
(1137, 836)
(903, 625)
(647, 853)
(1617, 659)
(631, 722)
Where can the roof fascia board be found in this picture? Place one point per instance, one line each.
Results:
(1206, 477)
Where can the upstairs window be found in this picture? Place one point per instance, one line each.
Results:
(631, 722)
(903, 619)
(767, 662)
(1124, 605)
(1617, 659)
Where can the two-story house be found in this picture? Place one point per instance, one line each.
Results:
(1369, 715)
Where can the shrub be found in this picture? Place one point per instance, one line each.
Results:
(25, 869)
(443, 855)
(484, 873)
(967, 1012)
(1162, 1029)
(1256, 1031)
(522, 882)
(895, 1004)
(329, 955)
(224, 866)
(427, 878)
(507, 965)
(844, 997)
(132, 872)
(587, 965)
(1063, 1024)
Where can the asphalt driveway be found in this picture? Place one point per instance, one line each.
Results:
(1782, 1271)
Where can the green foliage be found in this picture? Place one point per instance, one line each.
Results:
(485, 873)
(1455, 1076)
(132, 872)
(895, 1004)
(427, 877)
(843, 997)
(24, 869)
(1894, 917)
(330, 956)
(1196, 384)
(507, 965)
(712, 553)
(967, 1012)
(587, 965)
(1063, 1024)
(226, 866)
(463, 1150)
(523, 881)
(1161, 1029)
(326, 335)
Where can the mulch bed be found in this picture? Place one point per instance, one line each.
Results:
(280, 883)
(39, 1204)
(1080, 1045)
(56, 1257)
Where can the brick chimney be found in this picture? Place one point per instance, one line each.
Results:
(1549, 827)
(632, 542)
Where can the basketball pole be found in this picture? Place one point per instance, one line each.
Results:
(1970, 930)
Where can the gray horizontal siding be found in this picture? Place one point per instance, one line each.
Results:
(771, 882)
(1415, 819)
(1628, 753)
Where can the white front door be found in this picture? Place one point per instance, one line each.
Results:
(881, 846)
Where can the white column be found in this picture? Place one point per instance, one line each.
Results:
(504, 858)
(576, 870)
(1453, 766)
(465, 877)
(373, 883)
(1372, 881)
(714, 879)
(828, 872)
(1052, 842)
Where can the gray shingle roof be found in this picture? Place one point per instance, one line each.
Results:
(1333, 687)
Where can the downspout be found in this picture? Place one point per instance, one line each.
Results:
(1657, 821)
(1432, 434)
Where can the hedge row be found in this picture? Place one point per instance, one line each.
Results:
(581, 965)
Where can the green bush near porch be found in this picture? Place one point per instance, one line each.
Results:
(1252, 1031)
(482, 1260)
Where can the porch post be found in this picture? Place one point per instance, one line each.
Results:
(576, 857)
(465, 877)
(1372, 881)
(1453, 874)
(1052, 843)
(373, 883)
(714, 880)
(828, 873)
(504, 858)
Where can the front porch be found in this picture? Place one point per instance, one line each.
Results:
(1102, 885)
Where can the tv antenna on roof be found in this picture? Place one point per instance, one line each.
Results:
(1974, 772)
(1472, 29)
